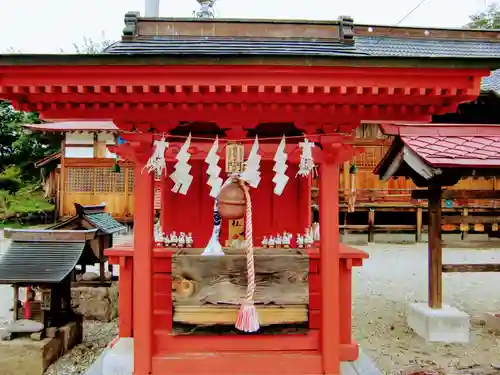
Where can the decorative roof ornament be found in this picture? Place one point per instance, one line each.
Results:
(206, 9)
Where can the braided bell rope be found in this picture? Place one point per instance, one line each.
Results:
(249, 244)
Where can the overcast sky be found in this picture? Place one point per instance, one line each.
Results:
(46, 26)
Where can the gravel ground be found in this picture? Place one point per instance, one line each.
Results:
(396, 275)
(96, 336)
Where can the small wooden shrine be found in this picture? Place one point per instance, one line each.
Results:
(437, 156)
(93, 217)
(264, 89)
(43, 262)
(85, 170)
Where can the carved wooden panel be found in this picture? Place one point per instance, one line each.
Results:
(80, 180)
(104, 179)
(131, 181)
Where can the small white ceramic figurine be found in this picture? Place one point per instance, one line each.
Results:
(286, 240)
(308, 241)
(278, 241)
(264, 242)
(271, 242)
(189, 240)
(316, 231)
(181, 242)
(300, 241)
(173, 239)
(166, 240)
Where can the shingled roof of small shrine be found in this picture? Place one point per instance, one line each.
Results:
(450, 145)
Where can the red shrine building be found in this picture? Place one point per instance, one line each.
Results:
(237, 79)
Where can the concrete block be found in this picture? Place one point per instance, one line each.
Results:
(71, 334)
(492, 322)
(119, 359)
(23, 356)
(448, 324)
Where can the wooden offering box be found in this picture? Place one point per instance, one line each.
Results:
(207, 291)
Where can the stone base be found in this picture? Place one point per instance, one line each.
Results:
(71, 335)
(32, 355)
(95, 303)
(492, 322)
(119, 359)
(448, 324)
(24, 356)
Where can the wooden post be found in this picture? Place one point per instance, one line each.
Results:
(164, 197)
(464, 214)
(330, 265)
(15, 302)
(143, 270)
(371, 225)
(418, 232)
(62, 179)
(125, 300)
(435, 249)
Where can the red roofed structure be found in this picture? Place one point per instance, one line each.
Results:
(236, 79)
(450, 151)
(435, 156)
(451, 144)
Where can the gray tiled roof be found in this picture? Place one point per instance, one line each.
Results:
(492, 83)
(414, 47)
(364, 46)
(232, 46)
(401, 47)
(39, 262)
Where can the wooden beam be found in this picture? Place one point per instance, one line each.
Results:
(459, 194)
(435, 249)
(471, 268)
(470, 219)
(226, 315)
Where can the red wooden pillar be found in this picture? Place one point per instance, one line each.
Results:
(329, 265)
(164, 196)
(125, 301)
(143, 270)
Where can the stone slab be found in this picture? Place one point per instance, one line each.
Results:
(24, 326)
(492, 322)
(119, 360)
(447, 325)
(71, 334)
(24, 356)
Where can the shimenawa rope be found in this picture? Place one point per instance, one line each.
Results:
(248, 318)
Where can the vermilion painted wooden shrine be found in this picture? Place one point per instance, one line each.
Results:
(238, 79)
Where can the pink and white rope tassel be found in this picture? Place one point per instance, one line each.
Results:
(248, 318)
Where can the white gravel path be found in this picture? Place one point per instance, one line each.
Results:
(396, 275)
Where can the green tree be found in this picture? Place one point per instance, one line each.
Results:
(488, 19)
(18, 146)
